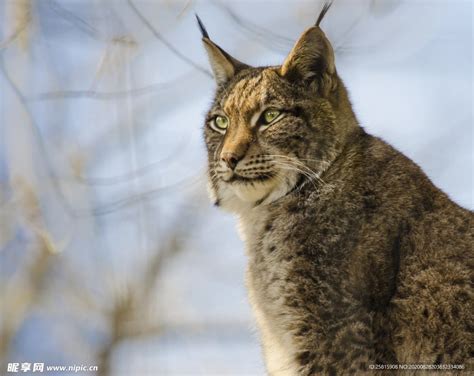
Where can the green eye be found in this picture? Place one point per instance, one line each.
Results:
(221, 122)
(270, 115)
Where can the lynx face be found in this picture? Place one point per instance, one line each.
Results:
(270, 129)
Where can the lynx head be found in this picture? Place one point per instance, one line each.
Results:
(271, 129)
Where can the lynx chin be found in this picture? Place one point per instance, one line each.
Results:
(355, 258)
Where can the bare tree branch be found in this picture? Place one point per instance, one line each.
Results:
(38, 136)
(265, 37)
(149, 195)
(93, 94)
(5, 43)
(128, 316)
(109, 95)
(165, 42)
(75, 20)
(23, 292)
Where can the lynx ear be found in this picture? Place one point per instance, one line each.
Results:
(223, 65)
(312, 58)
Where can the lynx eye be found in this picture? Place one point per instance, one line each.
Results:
(270, 115)
(220, 123)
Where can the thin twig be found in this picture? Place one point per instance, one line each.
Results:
(98, 95)
(265, 37)
(4, 44)
(38, 136)
(75, 20)
(122, 203)
(165, 42)
(107, 95)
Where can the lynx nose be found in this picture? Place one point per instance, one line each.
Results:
(230, 159)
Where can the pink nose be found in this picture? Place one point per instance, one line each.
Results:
(230, 159)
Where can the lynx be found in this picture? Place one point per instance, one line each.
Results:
(356, 261)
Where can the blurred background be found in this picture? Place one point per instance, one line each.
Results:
(110, 252)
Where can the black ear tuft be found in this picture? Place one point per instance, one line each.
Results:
(311, 59)
(325, 9)
(201, 27)
(223, 65)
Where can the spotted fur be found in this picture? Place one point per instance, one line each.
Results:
(354, 256)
